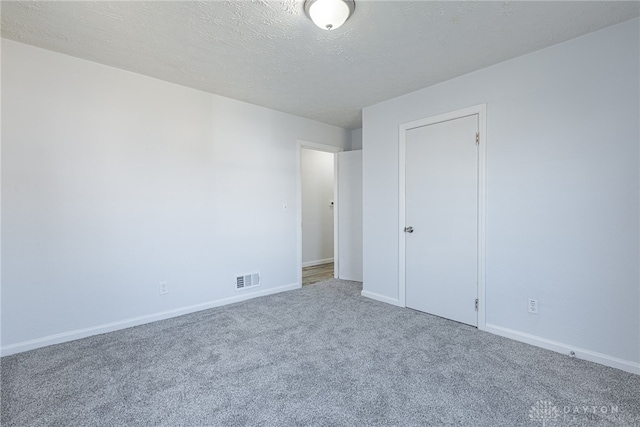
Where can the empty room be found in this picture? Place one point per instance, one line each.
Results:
(320, 212)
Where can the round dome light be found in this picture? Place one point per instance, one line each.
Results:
(329, 14)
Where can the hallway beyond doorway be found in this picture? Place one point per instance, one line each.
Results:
(317, 273)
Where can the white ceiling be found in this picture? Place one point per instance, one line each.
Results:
(269, 53)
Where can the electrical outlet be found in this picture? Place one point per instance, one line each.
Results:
(164, 288)
(533, 306)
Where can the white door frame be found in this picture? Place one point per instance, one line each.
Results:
(481, 111)
(328, 149)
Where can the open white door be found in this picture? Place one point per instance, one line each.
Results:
(350, 215)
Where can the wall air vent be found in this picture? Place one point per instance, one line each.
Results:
(247, 281)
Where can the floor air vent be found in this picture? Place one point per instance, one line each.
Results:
(247, 281)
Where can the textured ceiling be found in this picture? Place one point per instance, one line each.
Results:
(269, 53)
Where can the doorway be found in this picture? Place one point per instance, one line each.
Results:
(317, 212)
(442, 215)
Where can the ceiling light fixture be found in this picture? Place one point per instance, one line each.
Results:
(329, 14)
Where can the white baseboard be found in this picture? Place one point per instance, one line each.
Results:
(351, 278)
(318, 262)
(381, 298)
(140, 320)
(559, 347)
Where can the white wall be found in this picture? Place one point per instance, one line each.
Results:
(350, 215)
(562, 192)
(356, 139)
(317, 183)
(113, 182)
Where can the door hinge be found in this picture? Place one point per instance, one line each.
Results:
(476, 304)
(477, 138)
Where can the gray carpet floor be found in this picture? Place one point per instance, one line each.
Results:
(321, 355)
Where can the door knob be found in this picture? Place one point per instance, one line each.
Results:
(408, 229)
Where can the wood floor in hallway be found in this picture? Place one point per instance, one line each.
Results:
(317, 273)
